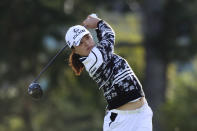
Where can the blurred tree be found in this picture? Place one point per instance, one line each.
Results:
(25, 24)
(170, 28)
(179, 112)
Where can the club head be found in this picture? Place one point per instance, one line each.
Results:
(35, 90)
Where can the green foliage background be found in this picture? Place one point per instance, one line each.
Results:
(33, 30)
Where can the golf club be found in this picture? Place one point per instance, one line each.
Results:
(34, 89)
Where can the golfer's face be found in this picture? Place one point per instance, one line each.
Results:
(85, 46)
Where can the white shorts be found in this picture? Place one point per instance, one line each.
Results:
(133, 120)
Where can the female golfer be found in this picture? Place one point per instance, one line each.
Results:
(127, 108)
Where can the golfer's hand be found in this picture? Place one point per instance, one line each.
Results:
(91, 22)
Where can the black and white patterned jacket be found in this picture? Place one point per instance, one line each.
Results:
(111, 72)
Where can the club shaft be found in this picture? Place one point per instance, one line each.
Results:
(49, 63)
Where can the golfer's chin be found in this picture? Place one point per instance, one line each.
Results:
(85, 53)
(88, 50)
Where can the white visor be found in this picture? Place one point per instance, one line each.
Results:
(75, 34)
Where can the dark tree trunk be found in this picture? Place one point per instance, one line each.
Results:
(155, 84)
(156, 66)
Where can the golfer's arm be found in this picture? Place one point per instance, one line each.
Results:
(105, 32)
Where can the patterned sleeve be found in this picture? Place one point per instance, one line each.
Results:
(106, 36)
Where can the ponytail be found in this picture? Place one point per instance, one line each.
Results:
(76, 65)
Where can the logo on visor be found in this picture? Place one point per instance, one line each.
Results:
(77, 33)
(75, 30)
